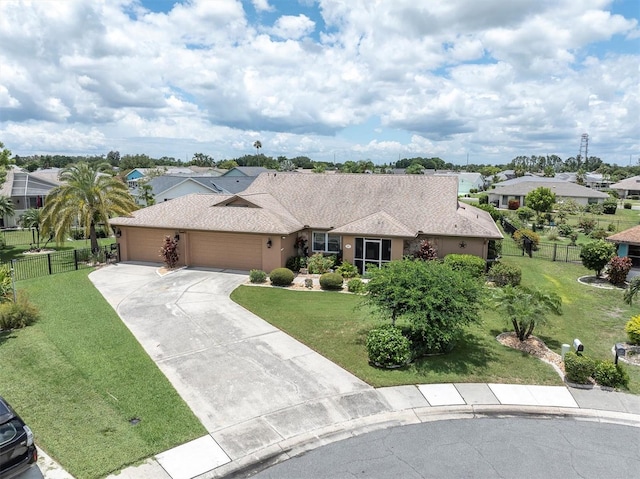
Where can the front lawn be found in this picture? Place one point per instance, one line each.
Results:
(78, 376)
(334, 325)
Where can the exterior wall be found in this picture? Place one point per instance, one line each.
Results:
(348, 248)
(448, 245)
(287, 248)
(623, 249)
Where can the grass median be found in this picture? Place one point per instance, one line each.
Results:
(334, 325)
(78, 376)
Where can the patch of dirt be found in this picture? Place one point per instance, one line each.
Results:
(535, 347)
(39, 251)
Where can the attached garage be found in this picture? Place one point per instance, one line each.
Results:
(224, 250)
(143, 244)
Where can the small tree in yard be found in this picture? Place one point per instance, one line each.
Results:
(619, 268)
(169, 252)
(435, 300)
(427, 251)
(596, 255)
(526, 308)
(540, 200)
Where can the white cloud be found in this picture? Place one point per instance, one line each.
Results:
(293, 27)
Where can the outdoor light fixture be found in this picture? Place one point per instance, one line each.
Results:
(269, 243)
(176, 237)
(118, 232)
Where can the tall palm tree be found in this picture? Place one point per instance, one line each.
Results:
(32, 218)
(257, 145)
(6, 206)
(87, 195)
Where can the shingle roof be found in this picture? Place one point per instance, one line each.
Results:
(403, 205)
(21, 183)
(216, 184)
(632, 183)
(559, 187)
(630, 236)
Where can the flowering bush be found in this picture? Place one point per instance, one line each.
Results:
(618, 269)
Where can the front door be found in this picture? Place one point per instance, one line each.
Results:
(371, 251)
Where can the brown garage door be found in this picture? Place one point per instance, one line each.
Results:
(143, 244)
(225, 250)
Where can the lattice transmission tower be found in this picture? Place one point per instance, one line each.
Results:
(583, 154)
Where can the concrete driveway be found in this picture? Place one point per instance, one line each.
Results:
(235, 371)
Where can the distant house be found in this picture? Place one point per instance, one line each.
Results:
(591, 180)
(26, 190)
(246, 171)
(134, 176)
(367, 219)
(628, 242)
(168, 187)
(518, 188)
(628, 187)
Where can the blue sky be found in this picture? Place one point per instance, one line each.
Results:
(326, 79)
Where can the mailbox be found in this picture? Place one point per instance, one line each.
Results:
(619, 351)
(578, 346)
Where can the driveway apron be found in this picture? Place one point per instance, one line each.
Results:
(231, 367)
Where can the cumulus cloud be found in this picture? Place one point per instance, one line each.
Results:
(455, 76)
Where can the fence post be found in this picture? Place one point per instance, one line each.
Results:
(75, 258)
(49, 263)
(555, 250)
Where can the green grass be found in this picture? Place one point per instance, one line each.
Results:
(78, 375)
(334, 325)
(16, 252)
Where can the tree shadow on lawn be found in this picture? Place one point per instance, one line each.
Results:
(470, 355)
(5, 336)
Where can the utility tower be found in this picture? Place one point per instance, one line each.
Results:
(583, 154)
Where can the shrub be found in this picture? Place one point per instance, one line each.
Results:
(523, 233)
(281, 277)
(355, 286)
(596, 255)
(513, 204)
(257, 276)
(387, 347)
(573, 237)
(553, 236)
(611, 228)
(483, 199)
(503, 274)
(347, 270)
(308, 283)
(578, 368)
(18, 315)
(426, 252)
(595, 208)
(587, 225)
(632, 328)
(494, 249)
(627, 205)
(525, 213)
(6, 284)
(319, 263)
(599, 233)
(606, 373)
(619, 268)
(565, 229)
(331, 281)
(468, 263)
(609, 207)
(169, 252)
(294, 263)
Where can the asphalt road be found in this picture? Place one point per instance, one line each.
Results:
(476, 448)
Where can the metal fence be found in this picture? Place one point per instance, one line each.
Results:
(19, 236)
(548, 251)
(36, 265)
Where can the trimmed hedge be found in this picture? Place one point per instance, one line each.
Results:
(281, 277)
(503, 274)
(606, 373)
(468, 263)
(578, 368)
(387, 347)
(356, 286)
(257, 276)
(331, 281)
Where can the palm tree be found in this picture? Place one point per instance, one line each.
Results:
(526, 307)
(6, 206)
(632, 290)
(32, 218)
(88, 196)
(257, 145)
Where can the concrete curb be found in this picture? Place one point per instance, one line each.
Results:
(292, 447)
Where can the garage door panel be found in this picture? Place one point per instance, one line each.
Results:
(143, 244)
(225, 250)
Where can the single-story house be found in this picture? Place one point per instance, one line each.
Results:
(628, 242)
(368, 219)
(168, 187)
(591, 180)
(627, 187)
(246, 171)
(518, 188)
(134, 176)
(26, 190)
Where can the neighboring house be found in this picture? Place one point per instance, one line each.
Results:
(628, 242)
(365, 218)
(168, 187)
(466, 182)
(26, 190)
(134, 176)
(246, 171)
(518, 188)
(591, 180)
(628, 187)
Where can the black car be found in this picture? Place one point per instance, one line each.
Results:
(17, 449)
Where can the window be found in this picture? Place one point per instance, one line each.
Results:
(325, 242)
(376, 251)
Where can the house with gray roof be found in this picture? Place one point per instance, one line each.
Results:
(367, 219)
(169, 187)
(246, 171)
(26, 190)
(627, 187)
(518, 188)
